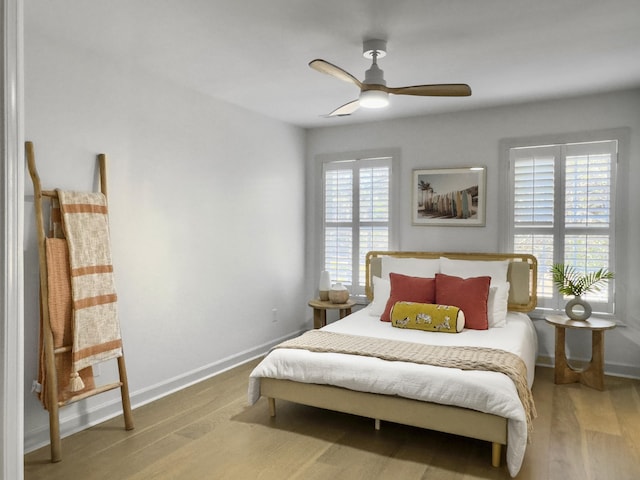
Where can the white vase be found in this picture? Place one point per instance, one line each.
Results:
(324, 286)
(577, 309)
(339, 294)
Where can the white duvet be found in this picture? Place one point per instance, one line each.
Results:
(488, 392)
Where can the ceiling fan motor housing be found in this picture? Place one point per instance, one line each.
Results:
(374, 76)
(374, 97)
(374, 49)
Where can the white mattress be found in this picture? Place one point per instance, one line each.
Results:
(488, 392)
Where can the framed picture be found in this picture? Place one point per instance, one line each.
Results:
(449, 196)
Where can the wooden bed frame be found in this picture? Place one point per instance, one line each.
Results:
(522, 275)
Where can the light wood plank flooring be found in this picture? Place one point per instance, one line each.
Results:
(208, 432)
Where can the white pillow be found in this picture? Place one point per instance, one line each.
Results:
(413, 267)
(496, 269)
(381, 294)
(497, 305)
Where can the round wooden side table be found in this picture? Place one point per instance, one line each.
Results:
(320, 308)
(593, 374)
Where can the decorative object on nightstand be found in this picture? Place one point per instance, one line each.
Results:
(578, 309)
(320, 310)
(569, 282)
(338, 294)
(593, 374)
(325, 285)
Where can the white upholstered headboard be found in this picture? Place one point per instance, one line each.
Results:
(522, 273)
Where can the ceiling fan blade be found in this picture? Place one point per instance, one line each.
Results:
(442, 90)
(335, 71)
(346, 109)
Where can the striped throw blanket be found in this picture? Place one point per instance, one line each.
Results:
(464, 358)
(60, 319)
(95, 325)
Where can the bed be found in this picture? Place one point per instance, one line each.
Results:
(485, 405)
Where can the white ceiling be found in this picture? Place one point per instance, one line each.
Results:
(254, 53)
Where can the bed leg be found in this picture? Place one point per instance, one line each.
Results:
(272, 406)
(377, 423)
(496, 452)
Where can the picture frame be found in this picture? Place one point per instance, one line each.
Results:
(449, 196)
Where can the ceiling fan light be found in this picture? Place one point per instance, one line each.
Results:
(374, 99)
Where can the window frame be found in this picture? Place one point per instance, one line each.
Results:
(378, 157)
(618, 235)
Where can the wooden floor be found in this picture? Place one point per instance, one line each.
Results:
(208, 432)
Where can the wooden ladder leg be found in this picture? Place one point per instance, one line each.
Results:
(52, 393)
(54, 434)
(122, 369)
(124, 393)
(47, 340)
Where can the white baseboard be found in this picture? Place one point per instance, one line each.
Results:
(38, 438)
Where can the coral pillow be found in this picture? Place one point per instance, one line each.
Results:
(408, 289)
(469, 294)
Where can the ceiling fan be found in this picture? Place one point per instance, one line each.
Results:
(374, 92)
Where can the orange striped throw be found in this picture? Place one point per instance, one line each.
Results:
(96, 328)
(60, 319)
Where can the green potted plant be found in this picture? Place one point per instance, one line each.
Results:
(570, 282)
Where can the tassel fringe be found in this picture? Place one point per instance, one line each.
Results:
(76, 383)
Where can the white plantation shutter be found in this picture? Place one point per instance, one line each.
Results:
(588, 190)
(534, 171)
(588, 210)
(562, 212)
(338, 214)
(374, 213)
(533, 202)
(357, 195)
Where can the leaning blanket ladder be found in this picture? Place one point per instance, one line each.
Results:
(50, 351)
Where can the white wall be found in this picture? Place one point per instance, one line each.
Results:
(207, 219)
(472, 138)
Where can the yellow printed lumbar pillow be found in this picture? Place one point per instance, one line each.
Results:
(427, 316)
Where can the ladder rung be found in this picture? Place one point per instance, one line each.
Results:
(62, 349)
(90, 393)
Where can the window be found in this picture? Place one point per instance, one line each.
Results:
(357, 216)
(562, 211)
